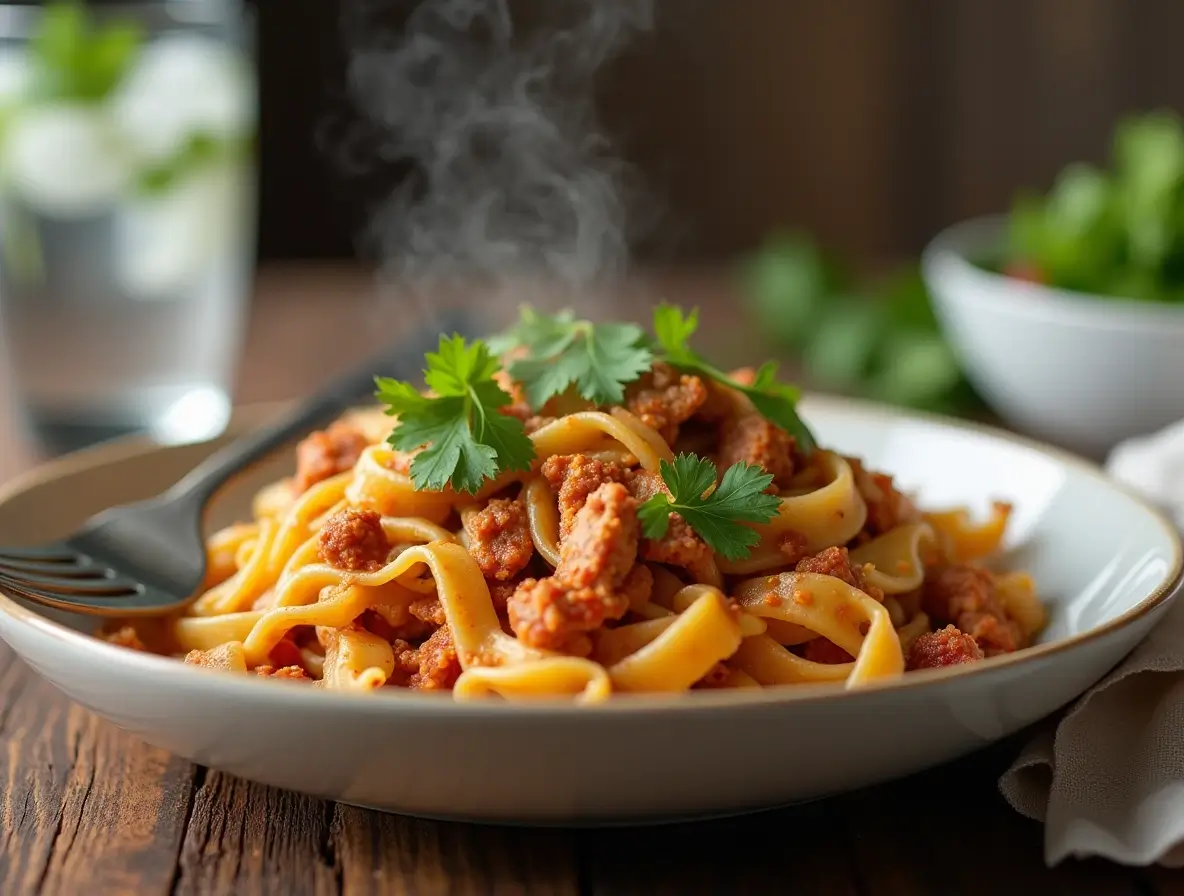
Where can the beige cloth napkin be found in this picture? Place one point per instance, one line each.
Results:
(1107, 779)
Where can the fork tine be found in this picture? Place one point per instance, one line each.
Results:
(68, 587)
(18, 568)
(48, 553)
(103, 605)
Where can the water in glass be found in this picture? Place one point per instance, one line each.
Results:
(126, 228)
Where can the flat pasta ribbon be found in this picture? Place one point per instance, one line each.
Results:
(615, 644)
(543, 517)
(356, 660)
(249, 581)
(684, 651)
(545, 678)
(966, 540)
(376, 486)
(836, 611)
(898, 557)
(768, 663)
(207, 632)
(587, 431)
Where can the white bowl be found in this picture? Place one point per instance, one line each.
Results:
(1107, 565)
(1080, 370)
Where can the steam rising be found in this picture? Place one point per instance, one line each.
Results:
(512, 175)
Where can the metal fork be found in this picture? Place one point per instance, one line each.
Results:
(149, 558)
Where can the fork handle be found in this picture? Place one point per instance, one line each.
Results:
(402, 362)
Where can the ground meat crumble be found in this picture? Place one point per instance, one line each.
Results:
(125, 636)
(592, 583)
(291, 673)
(966, 596)
(432, 666)
(946, 647)
(887, 506)
(326, 453)
(573, 477)
(836, 561)
(353, 540)
(499, 538)
(664, 399)
(752, 439)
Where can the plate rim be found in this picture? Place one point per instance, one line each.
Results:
(396, 703)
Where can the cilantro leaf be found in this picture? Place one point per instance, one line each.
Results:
(716, 515)
(465, 437)
(787, 281)
(548, 333)
(775, 401)
(597, 359)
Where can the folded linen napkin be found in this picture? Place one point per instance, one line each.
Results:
(1107, 778)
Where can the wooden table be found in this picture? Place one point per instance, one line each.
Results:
(88, 809)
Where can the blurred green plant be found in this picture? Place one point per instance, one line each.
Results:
(80, 61)
(880, 340)
(1116, 232)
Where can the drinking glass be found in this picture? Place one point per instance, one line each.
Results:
(127, 200)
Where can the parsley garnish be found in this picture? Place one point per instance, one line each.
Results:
(716, 514)
(598, 359)
(775, 401)
(467, 438)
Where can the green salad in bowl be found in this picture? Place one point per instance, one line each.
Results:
(1067, 313)
(1115, 231)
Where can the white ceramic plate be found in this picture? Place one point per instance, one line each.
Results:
(1107, 565)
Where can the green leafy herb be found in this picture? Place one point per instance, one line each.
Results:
(1073, 236)
(1117, 232)
(917, 370)
(716, 514)
(79, 62)
(787, 280)
(842, 345)
(772, 399)
(882, 341)
(598, 359)
(465, 438)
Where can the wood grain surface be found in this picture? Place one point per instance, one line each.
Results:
(87, 809)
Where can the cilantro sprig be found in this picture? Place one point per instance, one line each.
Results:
(464, 436)
(775, 401)
(563, 351)
(716, 514)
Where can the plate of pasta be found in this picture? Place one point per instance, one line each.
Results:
(576, 566)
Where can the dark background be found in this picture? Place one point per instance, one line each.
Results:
(872, 123)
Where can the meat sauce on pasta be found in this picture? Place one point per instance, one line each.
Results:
(543, 583)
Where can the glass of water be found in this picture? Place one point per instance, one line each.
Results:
(127, 224)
